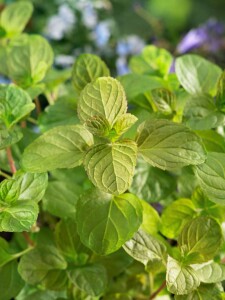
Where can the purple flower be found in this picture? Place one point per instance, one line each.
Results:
(208, 35)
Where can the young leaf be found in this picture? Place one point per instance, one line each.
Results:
(90, 278)
(68, 241)
(123, 123)
(169, 145)
(60, 147)
(200, 239)
(8, 138)
(152, 60)
(144, 248)
(197, 75)
(112, 220)
(104, 97)
(175, 216)
(29, 58)
(98, 125)
(110, 167)
(15, 104)
(164, 100)
(180, 279)
(19, 216)
(15, 17)
(40, 263)
(210, 272)
(11, 279)
(211, 176)
(86, 69)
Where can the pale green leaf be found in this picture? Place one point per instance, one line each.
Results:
(36, 266)
(197, 75)
(212, 140)
(86, 69)
(175, 216)
(28, 59)
(19, 216)
(11, 282)
(220, 95)
(106, 222)
(15, 104)
(98, 125)
(211, 177)
(210, 272)
(200, 239)
(203, 292)
(60, 147)
(90, 278)
(145, 248)
(180, 279)
(15, 16)
(110, 167)
(151, 220)
(152, 60)
(8, 138)
(103, 97)
(164, 100)
(168, 145)
(123, 123)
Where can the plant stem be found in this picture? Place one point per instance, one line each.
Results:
(28, 239)
(162, 286)
(3, 174)
(10, 160)
(38, 105)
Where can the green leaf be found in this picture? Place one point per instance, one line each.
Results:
(152, 60)
(203, 292)
(197, 75)
(211, 177)
(40, 264)
(135, 85)
(175, 216)
(61, 197)
(123, 123)
(60, 147)
(19, 216)
(210, 272)
(169, 145)
(98, 125)
(212, 141)
(151, 184)
(29, 58)
(106, 222)
(220, 95)
(151, 220)
(110, 167)
(202, 114)
(91, 278)
(62, 112)
(15, 104)
(24, 186)
(8, 138)
(164, 100)
(200, 239)
(104, 97)
(144, 248)
(11, 282)
(180, 279)
(15, 17)
(86, 69)
(68, 241)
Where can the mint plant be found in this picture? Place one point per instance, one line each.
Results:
(116, 189)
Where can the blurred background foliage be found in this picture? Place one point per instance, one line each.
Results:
(117, 29)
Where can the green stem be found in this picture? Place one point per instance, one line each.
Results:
(10, 160)
(3, 174)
